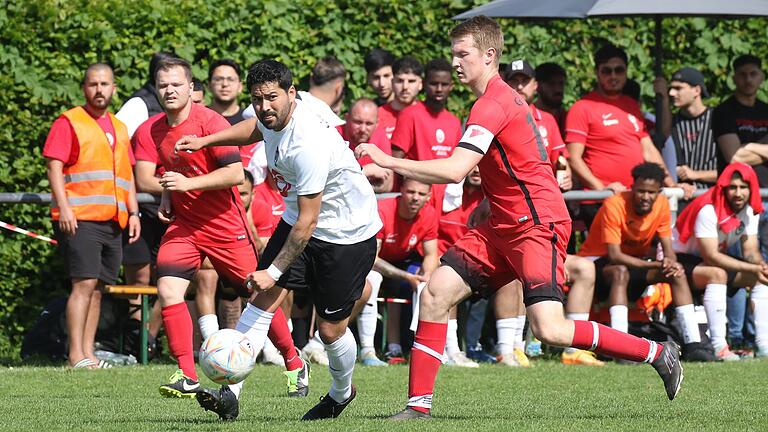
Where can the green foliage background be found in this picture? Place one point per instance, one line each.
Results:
(45, 46)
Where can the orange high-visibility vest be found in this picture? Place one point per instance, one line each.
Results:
(98, 184)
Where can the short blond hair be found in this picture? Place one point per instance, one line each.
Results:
(485, 31)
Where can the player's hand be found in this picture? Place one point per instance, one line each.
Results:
(259, 281)
(188, 143)
(616, 187)
(688, 190)
(414, 280)
(762, 273)
(176, 182)
(671, 269)
(480, 214)
(165, 212)
(67, 220)
(375, 173)
(660, 86)
(685, 173)
(372, 151)
(567, 183)
(134, 228)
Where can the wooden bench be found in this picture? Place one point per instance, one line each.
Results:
(131, 292)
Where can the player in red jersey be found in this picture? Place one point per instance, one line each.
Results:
(205, 213)
(525, 236)
(406, 85)
(426, 130)
(362, 127)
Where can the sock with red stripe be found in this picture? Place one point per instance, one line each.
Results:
(178, 327)
(426, 357)
(589, 335)
(281, 338)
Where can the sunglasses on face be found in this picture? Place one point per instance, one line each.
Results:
(618, 70)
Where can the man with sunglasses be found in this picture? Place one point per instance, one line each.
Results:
(605, 134)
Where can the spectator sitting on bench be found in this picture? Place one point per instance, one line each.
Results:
(621, 242)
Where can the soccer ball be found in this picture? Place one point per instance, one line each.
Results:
(227, 357)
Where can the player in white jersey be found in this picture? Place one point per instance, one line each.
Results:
(325, 242)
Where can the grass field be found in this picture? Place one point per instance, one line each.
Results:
(549, 397)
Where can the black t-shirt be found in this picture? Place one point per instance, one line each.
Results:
(749, 123)
(235, 119)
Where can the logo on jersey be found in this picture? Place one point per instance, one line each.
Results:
(282, 186)
(633, 120)
(412, 241)
(740, 229)
(543, 133)
(519, 101)
(391, 238)
(608, 121)
(440, 136)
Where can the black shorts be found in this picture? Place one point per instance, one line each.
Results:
(638, 281)
(332, 275)
(94, 252)
(144, 250)
(689, 262)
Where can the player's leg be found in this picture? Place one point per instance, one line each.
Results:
(453, 353)
(542, 288)
(509, 326)
(78, 305)
(206, 281)
(617, 277)
(177, 262)
(581, 276)
(367, 320)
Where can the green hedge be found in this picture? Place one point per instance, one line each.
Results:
(45, 45)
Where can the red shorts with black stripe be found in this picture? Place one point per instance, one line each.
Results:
(181, 256)
(487, 260)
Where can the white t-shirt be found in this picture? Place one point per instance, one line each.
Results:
(706, 227)
(318, 106)
(309, 156)
(133, 113)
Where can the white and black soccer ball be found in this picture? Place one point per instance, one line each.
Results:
(227, 357)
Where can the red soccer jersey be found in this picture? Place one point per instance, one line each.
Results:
(61, 143)
(425, 135)
(400, 237)
(148, 153)
(517, 177)
(246, 153)
(378, 138)
(550, 134)
(214, 217)
(453, 224)
(267, 207)
(387, 119)
(610, 130)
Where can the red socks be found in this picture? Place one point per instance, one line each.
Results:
(426, 356)
(589, 335)
(178, 327)
(281, 338)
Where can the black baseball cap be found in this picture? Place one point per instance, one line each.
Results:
(520, 66)
(693, 77)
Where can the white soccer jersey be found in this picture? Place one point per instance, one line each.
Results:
(309, 156)
(706, 227)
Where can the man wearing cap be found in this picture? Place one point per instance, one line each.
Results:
(691, 135)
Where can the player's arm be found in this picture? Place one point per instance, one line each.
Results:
(431, 258)
(616, 256)
(67, 220)
(134, 223)
(651, 154)
(710, 253)
(751, 154)
(729, 144)
(240, 134)
(220, 178)
(580, 168)
(145, 177)
(437, 171)
(387, 270)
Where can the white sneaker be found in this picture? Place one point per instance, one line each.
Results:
(315, 354)
(509, 359)
(271, 355)
(460, 359)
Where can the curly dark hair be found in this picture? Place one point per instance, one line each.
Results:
(269, 71)
(648, 171)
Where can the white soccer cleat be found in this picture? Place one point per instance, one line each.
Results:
(460, 359)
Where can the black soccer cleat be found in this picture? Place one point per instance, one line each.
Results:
(698, 352)
(223, 402)
(329, 408)
(670, 368)
(410, 414)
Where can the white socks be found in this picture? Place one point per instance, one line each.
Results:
(342, 355)
(366, 321)
(619, 317)
(519, 327)
(452, 337)
(715, 305)
(209, 324)
(254, 323)
(759, 300)
(686, 314)
(506, 329)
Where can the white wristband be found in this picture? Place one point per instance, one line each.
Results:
(274, 272)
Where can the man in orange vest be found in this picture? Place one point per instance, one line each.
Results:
(89, 162)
